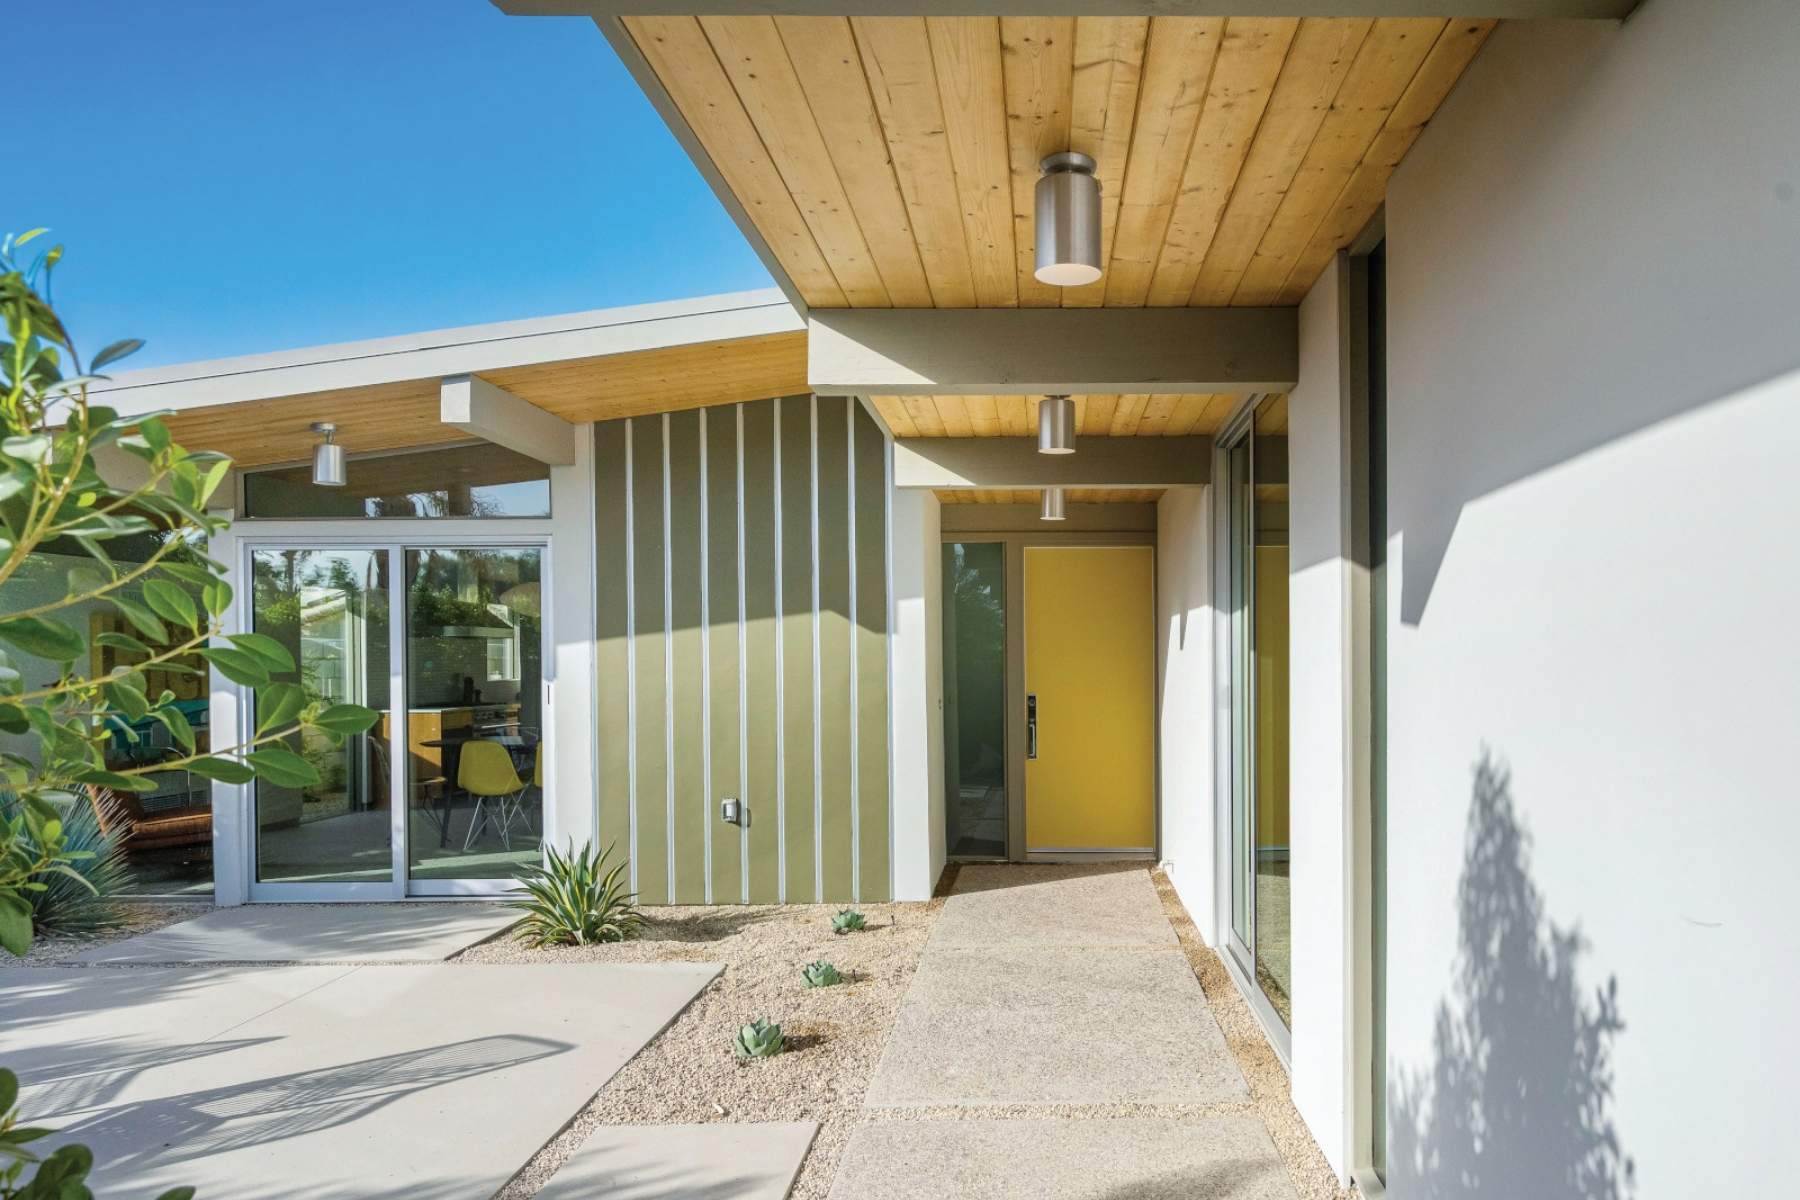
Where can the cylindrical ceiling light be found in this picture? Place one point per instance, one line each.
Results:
(328, 457)
(1056, 425)
(1052, 505)
(1068, 221)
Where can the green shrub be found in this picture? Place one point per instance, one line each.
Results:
(573, 899)
(848, 921)
(82, 901)
(59, 1176)
(820, 974)
(759, 1039)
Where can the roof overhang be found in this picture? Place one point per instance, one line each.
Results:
(512, 383)
(1507, 10)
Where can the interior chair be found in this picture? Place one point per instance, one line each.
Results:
(486, 772)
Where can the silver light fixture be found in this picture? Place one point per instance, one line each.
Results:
(1068, 221)
(1056, 425)
(1052, 505)
(328, 457)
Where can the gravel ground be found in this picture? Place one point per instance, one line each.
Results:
(142, 916)
(1312, 1177)
(688, 1074)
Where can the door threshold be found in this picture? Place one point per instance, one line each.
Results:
(1058, 854)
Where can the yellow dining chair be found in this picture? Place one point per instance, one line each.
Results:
(486, 773)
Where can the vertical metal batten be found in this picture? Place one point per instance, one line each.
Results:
(744, 797)
(706, 784)
(780, 672)
(631, 765)
(818, 747)
(668, 606)
(855, 663)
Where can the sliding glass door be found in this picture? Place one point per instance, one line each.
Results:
(1255, 601)
(445, 795)
(329, 608)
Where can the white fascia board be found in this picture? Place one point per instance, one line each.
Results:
(458, 351)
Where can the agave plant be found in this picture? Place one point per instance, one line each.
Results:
(759, 1039)
(820, 974)
(573, 899)
(848, 921)
(82, 899)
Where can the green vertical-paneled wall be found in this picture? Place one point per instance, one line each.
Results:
(742, 651)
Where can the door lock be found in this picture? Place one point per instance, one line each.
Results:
(1031, 725)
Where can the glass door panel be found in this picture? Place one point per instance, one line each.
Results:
(974, 640)
(1256, 598)
(330, 609)
(474, 727)
(1269, 625)
(1239, 587)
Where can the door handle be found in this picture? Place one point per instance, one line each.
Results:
(1031, 725)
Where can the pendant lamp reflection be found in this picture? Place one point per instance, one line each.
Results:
(1052, 506)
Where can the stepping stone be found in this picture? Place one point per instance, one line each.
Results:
(1053, 904)
(1203, 1159)
(699, 1162)
(1054, 1026)
(345, 933)
(264, 1083)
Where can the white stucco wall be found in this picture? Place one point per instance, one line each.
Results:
(1320, 759)
(1594, 430)
(917, 693)
(1184, 616)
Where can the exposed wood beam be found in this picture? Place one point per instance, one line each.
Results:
(476, 407)
(955, 463)
(1511, 10)
(1031, 351)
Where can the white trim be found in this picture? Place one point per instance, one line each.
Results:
(743, 676)
(818, 702)
(780, 688)
(887, 520)
(668, 652)
(631, 797)
(855, 664)
(706, 783)
(455, 351)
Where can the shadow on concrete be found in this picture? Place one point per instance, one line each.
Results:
(1517, 1102)
(194, 1125)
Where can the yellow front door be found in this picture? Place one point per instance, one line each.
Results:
(1090, 661)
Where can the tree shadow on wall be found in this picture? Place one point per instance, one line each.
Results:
(1517, 1105)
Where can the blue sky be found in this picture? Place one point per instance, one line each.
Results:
(235, 177)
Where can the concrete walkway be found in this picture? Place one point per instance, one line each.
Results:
(294, 1067)
(333, 933)
(1054, 1008)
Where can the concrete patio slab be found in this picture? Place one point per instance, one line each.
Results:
(314, 933)
(1054, 1025)
(1119, 1159)
(277, 1083)
(1053, 904)
(701, 1162)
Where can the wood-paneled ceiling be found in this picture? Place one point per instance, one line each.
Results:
(394, 416)
(1095, 416)
(1033, 495)
(891, 161)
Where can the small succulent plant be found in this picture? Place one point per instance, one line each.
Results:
(820, 974)
(848, 921)
(759, 1039)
